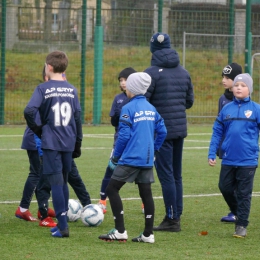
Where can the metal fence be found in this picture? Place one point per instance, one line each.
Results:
(64, 24)
(33, 31)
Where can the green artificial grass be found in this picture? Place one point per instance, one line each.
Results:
(203, 208)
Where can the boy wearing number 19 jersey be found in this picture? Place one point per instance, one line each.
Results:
(60, 132)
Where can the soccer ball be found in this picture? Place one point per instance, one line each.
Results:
(92, 215)
(74, 212)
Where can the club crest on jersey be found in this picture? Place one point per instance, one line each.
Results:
(227, 116)
(119, 101)
(248, 113)
(125, 116)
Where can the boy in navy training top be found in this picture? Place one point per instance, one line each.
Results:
(239, 122)
(228, 75)
(60, 132)
(119, 101)
(44, 190)
(141, 133)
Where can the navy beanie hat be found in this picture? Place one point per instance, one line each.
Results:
(126, 72)
(232, 70)
(160, 41)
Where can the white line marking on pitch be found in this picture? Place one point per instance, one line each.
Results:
(101, 135)
(104, 148)
(255, 194)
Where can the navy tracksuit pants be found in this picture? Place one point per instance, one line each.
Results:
(32, 179)
(168, 165)
(75, 181)
(236, 186)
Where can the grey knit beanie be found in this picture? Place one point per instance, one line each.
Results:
(245, 78)
(138, 83)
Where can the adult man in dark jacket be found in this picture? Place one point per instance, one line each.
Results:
(171, 92)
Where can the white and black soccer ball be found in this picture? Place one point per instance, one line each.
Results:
(92, 215)
(75, 209)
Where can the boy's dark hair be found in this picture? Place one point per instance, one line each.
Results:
(58, 60)
(126, 72)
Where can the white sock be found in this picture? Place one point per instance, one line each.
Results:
(23, 209)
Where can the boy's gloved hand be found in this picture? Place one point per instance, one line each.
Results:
(77, 151)
(37, 129)
(112, 163)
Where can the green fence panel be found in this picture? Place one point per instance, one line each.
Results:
(2, 79)
(32, 31)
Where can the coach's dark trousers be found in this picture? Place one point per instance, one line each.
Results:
(236, 186)
(168, 165)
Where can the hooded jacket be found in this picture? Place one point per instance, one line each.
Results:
(141, 133)
(239, 122)
(171, 91)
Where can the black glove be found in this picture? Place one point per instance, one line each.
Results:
(77, 151)
(115, 120)
(37, 129)
(40, 159)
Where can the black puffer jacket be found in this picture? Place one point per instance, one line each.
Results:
(171, 91)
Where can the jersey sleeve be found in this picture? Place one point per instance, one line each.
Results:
(160, 132)
(217, 135)
(124, 132)
(32, 107)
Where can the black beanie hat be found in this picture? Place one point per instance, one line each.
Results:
(232, 70)
(126, 72)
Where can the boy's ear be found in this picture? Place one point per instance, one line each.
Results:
(50, 68)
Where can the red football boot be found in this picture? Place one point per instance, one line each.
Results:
(25, 215)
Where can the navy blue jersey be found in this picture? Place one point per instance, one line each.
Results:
(59, 109)
(119, 101)
(224, 99)
(28, 142)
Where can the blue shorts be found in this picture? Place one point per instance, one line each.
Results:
(56, 162)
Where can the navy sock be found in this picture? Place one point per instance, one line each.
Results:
(105, 182)
(58, 199)
(66, 196)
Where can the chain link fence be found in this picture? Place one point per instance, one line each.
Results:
(33, 28)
